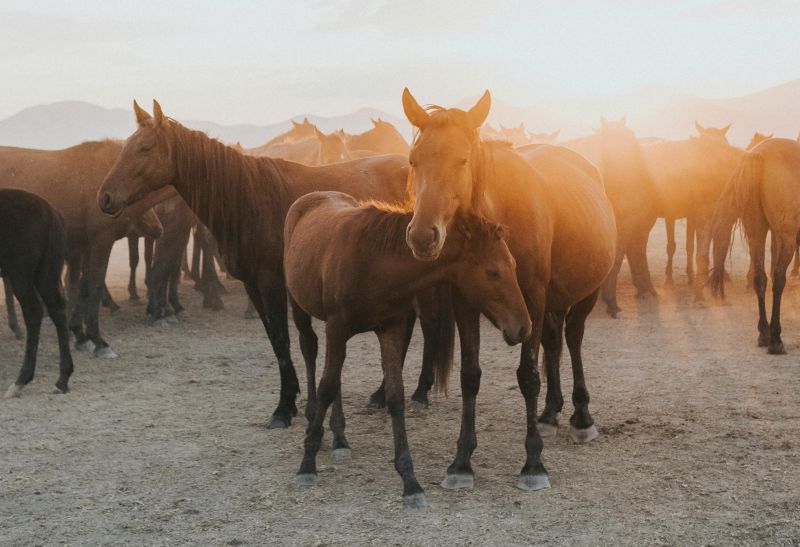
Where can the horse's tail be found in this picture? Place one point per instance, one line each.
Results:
(445, 339)
(740, 200)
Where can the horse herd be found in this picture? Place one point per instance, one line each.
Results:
(368, 234)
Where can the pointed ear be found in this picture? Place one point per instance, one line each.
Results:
(413, 111)
(305, 121)
(624, 120)
(478, 113)
(770, 135)
(320, 135)
(141, 114)
(725, 129)
(158, 114)
(603, 121)
(503, 128)
(700, 129)
(554, 136)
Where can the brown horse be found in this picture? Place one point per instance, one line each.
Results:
(757, 139)
(561, 233)
(68, 179)
(615, 150)
(348, 265)
(319, 149)
(689, 177)
(544, 138)
(298, 132)
(243, 201)
(383, 138)
(764, 194)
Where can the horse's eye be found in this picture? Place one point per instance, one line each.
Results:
(492, 275)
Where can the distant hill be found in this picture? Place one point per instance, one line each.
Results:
(652, 112)
(66, 123)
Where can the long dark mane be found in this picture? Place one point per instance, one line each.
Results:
(229, 191)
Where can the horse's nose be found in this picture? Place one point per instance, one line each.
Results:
(524, 332)
(105, 201)
(423, 241)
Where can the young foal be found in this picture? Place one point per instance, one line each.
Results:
(32, 248)
(348, 265)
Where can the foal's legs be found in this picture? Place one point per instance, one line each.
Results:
(378, 398)
(13, 324)
(669, 223)
(392, 339)
(552, 342)
(133, 262)
(32, 314)
(335, 349)
(460, 474)
(783, 250)
(269, 298)
(582, 428)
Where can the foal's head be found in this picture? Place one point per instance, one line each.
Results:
(487, 277)
(444, 162)
(144, 165)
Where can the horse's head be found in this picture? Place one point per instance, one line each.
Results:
(487, 278)
(543, 138)
(757, 139)
(443, 160)
(144, 165)
(717, 134)
(332, 148)
(615, 129)
(517, 136)
(387, 138)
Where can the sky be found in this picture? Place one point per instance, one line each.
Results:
(263, 61)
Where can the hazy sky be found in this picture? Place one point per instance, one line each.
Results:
(262, 61)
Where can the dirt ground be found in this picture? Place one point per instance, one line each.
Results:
(167, 445)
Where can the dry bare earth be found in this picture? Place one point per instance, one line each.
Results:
(167, 445)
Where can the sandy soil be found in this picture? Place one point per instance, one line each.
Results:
(167, 444)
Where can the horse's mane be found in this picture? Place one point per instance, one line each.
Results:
(227, 189)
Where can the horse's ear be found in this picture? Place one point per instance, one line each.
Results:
(413, 111)
(554, 136)
(374, 123)
(141, 115)
(478, 113)
(725, 129)
(603, 122)
(700, 129)
(295, 124)
(158, 114)
(770, 135)
(320, 135)
(305, 121)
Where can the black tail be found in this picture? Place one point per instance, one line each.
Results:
(445, 339)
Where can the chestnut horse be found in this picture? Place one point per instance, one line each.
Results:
(348, 265)
(243, 200)
(383, 138)
(33, 244)
(319, 149)
(561, 233)
(764, 193)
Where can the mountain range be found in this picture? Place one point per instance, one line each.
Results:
(651, 112)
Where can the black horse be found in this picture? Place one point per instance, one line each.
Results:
(32, 250)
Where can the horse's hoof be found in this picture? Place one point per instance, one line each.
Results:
(699, 304)
(763, 340)
(105, 353)
(458, 481)
(58, 390)
(776, 349)
(547, 430)
(171, 319)
(182, 315)
(416, 406)
(162, 323)
(376, 403)
(86, 345)
(18, 334)
(582, 436)
(113, 309)
(133, 298)
(277, 422)
(531, 483)
(306, 480)
(14, 391)
(342, 455)
(416, 501)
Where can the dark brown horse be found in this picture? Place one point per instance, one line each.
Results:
(68, 179)
(764, 193)
(348, 265)
(243, 201)
(615, 150)
(32, 248)
(561, 233)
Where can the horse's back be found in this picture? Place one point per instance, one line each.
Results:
(31, 230)
(777, 164)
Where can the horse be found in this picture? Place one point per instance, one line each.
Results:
(543, 138)
(243, 200)
(383, 138)
(298, 132)
(614, 149)
(562, 235)
(347, 264)
(320, 149)
(68, 179)
(688, 177)
(764, 193)
(32, 249)
(757, 139)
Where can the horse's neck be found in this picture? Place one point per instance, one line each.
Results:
(410, 276)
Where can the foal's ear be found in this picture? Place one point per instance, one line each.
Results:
(413, 111)
(141, 115)
(478, 113)
(700, 129)
(158, 114)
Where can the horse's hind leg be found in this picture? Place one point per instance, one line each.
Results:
(783, 250)
(691, 233)
(378, 398)
(133, 262)
(582, 428)
(49, 287)
(32, 314)
(108, 300)
(552, 342)
(796, 263)
(637, 259)
(392, 339)
(669, 223)
(610, 284)
(756, 240)
(13, 323)
(98, 264)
